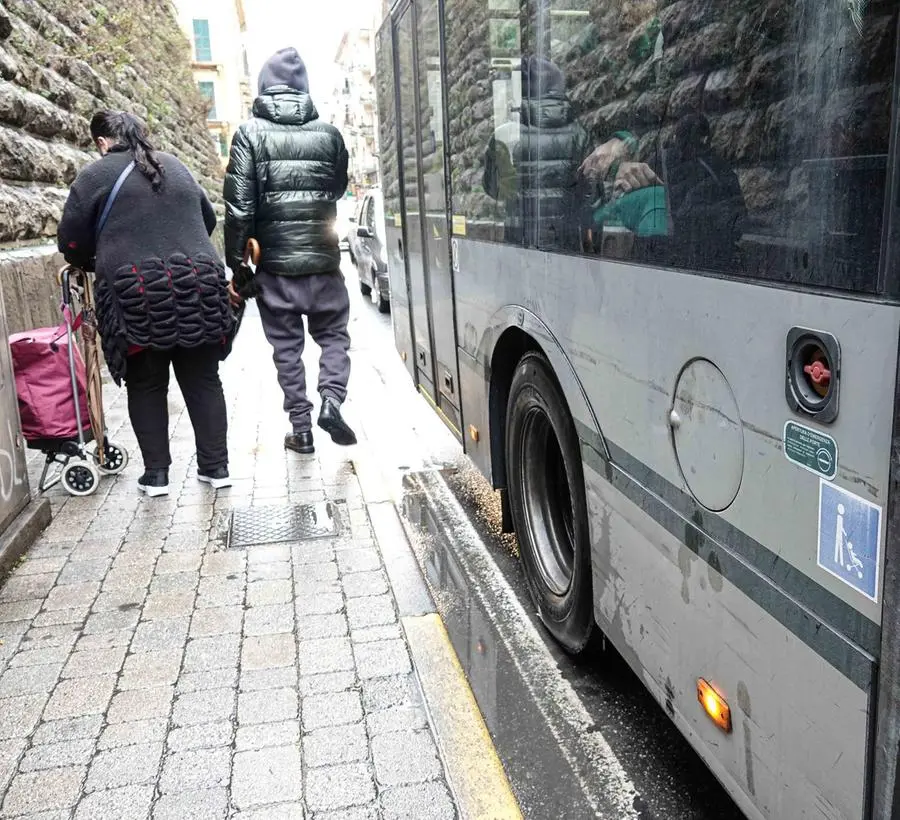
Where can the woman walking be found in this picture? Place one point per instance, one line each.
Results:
(140, 220)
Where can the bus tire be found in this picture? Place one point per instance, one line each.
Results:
(545, 483)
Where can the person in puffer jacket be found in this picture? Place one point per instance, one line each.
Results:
(286, 171)
(533, 165)
(161, 291)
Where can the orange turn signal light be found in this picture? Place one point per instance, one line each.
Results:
(714, 705)
(473, 433)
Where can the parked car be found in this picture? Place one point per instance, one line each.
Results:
(368, 250)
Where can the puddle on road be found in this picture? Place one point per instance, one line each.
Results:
(547, 771)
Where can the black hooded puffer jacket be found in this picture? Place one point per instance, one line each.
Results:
(286, 171)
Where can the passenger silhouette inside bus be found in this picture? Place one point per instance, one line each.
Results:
(630, 197)
(688, 210)
(531, 165)
(706, 203)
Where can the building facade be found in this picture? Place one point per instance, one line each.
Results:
(217, 31)
(355, 113)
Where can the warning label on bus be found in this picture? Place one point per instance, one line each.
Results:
(810, 449)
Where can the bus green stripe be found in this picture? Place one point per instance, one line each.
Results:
(833, 629)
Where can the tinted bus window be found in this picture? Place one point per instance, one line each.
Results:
(387, 124)
(747, 138)
(489, 174)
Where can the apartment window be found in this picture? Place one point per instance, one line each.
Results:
(208, 90)
(202, 45)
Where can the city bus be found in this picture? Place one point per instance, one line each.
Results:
(644, 264)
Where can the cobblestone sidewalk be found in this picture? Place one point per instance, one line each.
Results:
(147, 671)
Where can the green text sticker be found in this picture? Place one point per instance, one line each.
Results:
(812, 450)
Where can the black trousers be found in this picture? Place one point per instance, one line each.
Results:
(197, 372)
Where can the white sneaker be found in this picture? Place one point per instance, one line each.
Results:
(217, 479)
(154, 483)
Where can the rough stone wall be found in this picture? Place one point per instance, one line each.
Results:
(29, 287)
(781, 81)
(60, 61)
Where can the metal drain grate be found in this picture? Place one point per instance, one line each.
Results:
(270, 525)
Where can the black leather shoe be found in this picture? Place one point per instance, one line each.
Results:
(154, 483)
(332, 422)
(300, 443)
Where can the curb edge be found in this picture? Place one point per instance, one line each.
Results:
(474, 771)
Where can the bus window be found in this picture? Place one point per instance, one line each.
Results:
(744, 139)
(387, 125)
(484, 99)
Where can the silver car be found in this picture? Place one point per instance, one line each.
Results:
(368, 250)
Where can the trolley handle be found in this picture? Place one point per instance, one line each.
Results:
(69, 323)
(64, 278)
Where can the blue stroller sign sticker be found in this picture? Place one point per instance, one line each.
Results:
(849, 538)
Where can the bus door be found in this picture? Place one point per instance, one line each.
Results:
(388, 159)
(424, 206)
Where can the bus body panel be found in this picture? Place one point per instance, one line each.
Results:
(592, 307)
(798, 747)
(800, 701)
(473, 390)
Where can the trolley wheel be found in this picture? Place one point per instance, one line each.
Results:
(545, 483)
(80, 477)
(116, 459)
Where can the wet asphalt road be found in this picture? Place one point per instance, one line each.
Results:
(577, 739)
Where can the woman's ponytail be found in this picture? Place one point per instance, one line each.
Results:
(128, 130)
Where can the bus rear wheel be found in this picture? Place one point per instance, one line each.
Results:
(545, 482)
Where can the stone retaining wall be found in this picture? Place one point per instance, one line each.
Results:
(60, 61)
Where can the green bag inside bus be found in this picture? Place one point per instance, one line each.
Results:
(643, 212)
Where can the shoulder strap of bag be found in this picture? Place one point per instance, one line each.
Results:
(112, 198)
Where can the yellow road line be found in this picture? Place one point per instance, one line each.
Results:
(474, 770)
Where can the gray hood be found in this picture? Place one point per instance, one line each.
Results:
(284, 67)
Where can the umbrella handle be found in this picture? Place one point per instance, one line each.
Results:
(62, 279)
(68, 270)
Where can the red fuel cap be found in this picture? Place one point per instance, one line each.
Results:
(818, 373)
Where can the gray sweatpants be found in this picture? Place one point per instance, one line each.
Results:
(323, 299)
